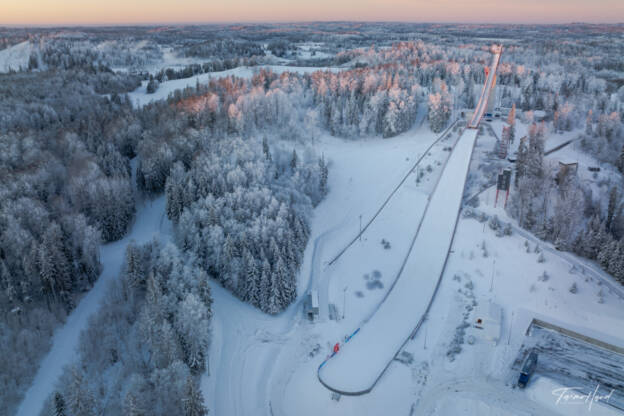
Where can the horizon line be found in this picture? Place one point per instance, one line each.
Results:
(276, 22)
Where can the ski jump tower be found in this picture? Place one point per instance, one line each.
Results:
(486, 100)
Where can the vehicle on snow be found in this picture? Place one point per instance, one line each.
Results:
(528, 367)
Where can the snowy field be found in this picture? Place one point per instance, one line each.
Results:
(15, 57)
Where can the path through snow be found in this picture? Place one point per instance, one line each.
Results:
(150, 223)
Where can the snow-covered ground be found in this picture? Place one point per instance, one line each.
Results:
(140, 97)
(15, 57)
(476, 382)
(364, 358)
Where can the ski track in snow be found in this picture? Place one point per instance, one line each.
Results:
(385, 332)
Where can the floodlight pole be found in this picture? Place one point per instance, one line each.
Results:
(360, 228)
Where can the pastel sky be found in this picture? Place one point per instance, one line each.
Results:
(51, 12)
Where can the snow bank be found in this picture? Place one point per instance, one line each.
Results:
(362, 361)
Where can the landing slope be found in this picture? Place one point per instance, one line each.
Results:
(362, 361)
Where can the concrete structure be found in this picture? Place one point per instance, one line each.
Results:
(483, 106)
(311, 305)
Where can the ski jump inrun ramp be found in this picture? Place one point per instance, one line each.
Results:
(365, 357)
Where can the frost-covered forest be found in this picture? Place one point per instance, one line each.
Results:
(235, 158)
(147, 346)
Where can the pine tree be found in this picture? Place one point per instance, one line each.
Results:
(251, 289)
(294, 161)
(611, 209)
(79, 398)
(323, 176)
(134, 272)
(285, 284)
(615, 262)
(588, 125)
(229, 254)
(535, 152)
(152, 85)
(47, 273)
(273, 300)
(620, 161)
(606, 253)
(521, 161)
(265, 149)
(193, 400)
(265, 284)
(59, 405)
(131, 406)
(391, 121)
(174, 191)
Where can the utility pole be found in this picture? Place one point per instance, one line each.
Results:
(344, 301)
(510, 324)
(360, 228)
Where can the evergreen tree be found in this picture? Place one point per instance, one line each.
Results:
(521, 161)
(79, 398)
(134, 270)
(294, 160)
(174, 188)
(193, 400)
(59, 405)
(535, 152)
(588, 125)
(607, 253)
(131, 406)
(265, 149)
(251, 291)
(324, 172)
(611, 209)
(620, 161)
(273, 300)
(265, 284)
(152, 85)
